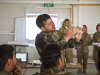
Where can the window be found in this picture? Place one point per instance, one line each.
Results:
(31, 28)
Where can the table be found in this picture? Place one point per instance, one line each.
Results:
(78, 66)
(30, 65)
(19, 45)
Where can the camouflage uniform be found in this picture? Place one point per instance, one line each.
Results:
(43, 39)
(67, 52)
(96, 38)
(82, 50)
(4, 72)
(55, 71)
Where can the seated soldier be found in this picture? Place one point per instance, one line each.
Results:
(8, 61)
(53, 61)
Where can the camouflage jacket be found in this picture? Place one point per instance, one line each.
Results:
(43, 39)
(86, 38)
(96, 38)
(55, 71)
(63, 30)
(4, 72)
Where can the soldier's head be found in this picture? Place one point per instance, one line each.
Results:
(45, 23)
(98, 27)
(84, 29)
(52, 57)
(7, 58)
(66, 22)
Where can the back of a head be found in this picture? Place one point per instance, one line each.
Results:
(6, 52)
(50, 55)
(41, 19)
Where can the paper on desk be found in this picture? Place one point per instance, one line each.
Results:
(73, 64)
(36, 62)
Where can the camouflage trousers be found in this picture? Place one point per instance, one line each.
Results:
(82, 56)
(96, 59)
(68, 55)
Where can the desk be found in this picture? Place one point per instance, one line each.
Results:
(78, 67)
(19, 45)
(30, 66)
(30, 69)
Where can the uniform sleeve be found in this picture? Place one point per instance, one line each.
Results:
(96, 37)
(61, 41)
(70, 44)
(88, 40)
(39, 43)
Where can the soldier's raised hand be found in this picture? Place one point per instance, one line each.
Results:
(69, 33)
(78, 34)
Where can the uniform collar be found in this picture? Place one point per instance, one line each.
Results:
(54, 68)
(5, 71)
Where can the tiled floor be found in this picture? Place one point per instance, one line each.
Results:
(91, 70)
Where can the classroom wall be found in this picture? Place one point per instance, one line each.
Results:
(88, 15)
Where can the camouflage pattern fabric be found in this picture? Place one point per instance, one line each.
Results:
(82, 50)
(4, 72)
(96, 38)
(55, 71)
(43, 38)
(67, 52)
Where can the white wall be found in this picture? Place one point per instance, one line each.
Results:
(10, 11)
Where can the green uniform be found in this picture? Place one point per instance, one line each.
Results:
(55, 71)
(82, 50)
(67, 52)
(96, 38)
(42, 39)
(4, 72)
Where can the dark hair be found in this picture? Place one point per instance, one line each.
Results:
(66, 19)
(6, 52)
(41, 19)
(50, 55)
(97, 26)
(85, 26)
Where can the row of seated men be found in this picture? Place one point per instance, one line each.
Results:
(52, 60)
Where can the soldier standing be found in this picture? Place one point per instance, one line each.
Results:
(83, 50)
(96, 38)
(50, 35)
(67, 52)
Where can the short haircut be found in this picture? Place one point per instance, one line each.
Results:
(41, 19)
(50, 55)
(97, 26)
(6, 52)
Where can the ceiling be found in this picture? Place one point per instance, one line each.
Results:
(51, 1)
